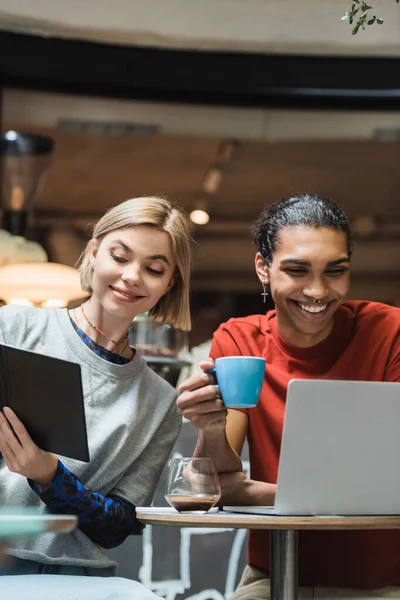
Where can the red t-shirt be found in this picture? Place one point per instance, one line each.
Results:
(364, 345)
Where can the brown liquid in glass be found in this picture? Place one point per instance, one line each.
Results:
(192, 504)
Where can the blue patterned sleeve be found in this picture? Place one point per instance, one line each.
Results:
(106, 520)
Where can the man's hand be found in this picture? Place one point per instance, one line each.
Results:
(237, 488)
(200, 401)
(21, 454)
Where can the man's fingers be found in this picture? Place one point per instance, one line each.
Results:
(199, 380)
(207, 420)
(207, 364)
(212, 406)
(196, 382)
(196, 397)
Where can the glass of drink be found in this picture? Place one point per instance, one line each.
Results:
(193, 485)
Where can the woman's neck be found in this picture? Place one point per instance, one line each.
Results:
(109, 333)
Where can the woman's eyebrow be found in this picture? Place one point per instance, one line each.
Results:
(121, 243)
(152, 257)
(159, 257)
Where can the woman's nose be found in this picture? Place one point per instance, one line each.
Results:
(132, 275)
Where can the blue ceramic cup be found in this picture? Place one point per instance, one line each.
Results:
(240, 379)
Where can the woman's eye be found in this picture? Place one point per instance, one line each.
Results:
(118, 259)
(154, 271)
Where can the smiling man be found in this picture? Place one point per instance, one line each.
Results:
(303, 256)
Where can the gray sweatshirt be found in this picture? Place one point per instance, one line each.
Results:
(132, 423)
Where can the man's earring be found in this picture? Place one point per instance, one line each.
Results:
(264, 293)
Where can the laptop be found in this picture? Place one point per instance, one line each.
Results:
(340, 452)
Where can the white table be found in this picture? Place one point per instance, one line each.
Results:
(283, 570)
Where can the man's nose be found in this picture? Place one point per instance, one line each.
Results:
(316, 289)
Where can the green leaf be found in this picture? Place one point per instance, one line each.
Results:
(355, 30)
(371, 21)
(362, 20)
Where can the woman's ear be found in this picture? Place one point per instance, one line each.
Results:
(262, 269)
(93, 248)
(172, 282)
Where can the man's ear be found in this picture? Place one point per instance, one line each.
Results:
(262, 269)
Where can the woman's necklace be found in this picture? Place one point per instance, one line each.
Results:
(125, 339)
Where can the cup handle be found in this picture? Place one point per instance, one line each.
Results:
(214, 370)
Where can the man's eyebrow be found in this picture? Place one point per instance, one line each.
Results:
(307, 263)
(295, 261)
(339, 261)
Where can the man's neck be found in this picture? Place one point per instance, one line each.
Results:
(300, 339)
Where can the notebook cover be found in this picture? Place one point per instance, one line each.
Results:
(46, 395)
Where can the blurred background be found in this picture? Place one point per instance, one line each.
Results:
(221, 105)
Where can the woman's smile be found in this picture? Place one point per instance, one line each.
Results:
(125, 295)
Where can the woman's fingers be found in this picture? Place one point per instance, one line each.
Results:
(20, 431)
(7, 433)
(7, 453)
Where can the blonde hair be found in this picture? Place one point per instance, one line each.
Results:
(158, 212)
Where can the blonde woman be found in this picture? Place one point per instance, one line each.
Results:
(138, 260)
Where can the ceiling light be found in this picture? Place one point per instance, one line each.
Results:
(40, 284)
(199, 216)
(24, 162)
(26, 278)
(212, 180)
(226, 150)
(16, 249)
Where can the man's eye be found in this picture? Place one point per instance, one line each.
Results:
(335, 272)
(296, 272)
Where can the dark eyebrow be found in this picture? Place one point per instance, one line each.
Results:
(339, 261)
(153, 257)
(306, 263)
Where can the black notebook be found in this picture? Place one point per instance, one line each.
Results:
(46, 395)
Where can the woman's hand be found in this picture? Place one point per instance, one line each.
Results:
(21, 454)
